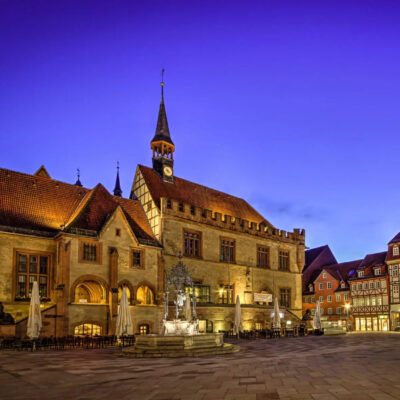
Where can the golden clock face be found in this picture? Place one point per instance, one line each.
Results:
(168, 171)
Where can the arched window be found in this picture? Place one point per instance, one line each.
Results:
(144, 329)
(87, 330)
(90, 292)
(128, 293)
(144, 295)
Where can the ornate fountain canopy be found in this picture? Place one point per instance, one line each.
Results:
(179, 276)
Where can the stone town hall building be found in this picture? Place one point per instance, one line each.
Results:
(83, 245)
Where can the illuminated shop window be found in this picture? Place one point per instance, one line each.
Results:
(202, 293)
(87, 330)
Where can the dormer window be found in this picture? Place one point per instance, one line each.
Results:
(395, 250)
(310, 288)
(378, 271)
(342, 285)
(360, 274)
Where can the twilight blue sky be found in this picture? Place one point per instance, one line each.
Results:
(292, 105)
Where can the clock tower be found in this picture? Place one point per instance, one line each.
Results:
(162, 145)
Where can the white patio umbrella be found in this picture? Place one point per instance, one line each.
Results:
(124, 319)
(317, 316)
(238, 326)
(34, 318)
(188, 310)
(276, 322)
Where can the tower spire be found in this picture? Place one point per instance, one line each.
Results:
(162, 144)
(78, 175)
(162, 129)
(117, 188)
(162, 86)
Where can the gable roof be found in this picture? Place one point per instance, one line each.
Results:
(42, 171)
(396, 239)
(46, 206)
(199, 196)
(319, 256)
(315, 259)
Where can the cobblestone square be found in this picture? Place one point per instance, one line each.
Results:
(355, 366)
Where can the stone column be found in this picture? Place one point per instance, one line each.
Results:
(62, 288)
(113, 297)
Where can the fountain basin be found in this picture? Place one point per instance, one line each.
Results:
(179, 346)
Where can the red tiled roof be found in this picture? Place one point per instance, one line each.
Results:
(36, 202)
(46, 205)
(137, 219)
(315, 259)
(199, 196)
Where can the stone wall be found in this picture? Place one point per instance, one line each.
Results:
(244, 274)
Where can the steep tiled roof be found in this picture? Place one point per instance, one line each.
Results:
(319, 256)
(36, 202)
(396, 239)
(315, 259)
(199, 196)
(137, 219)
(373, 259)
(97, 208)
(48, 206)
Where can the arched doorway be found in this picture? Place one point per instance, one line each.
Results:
(90, 292)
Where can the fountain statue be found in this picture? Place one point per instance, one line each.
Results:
(179, 280)
(180, 336)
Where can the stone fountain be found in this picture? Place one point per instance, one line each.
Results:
(180, 336)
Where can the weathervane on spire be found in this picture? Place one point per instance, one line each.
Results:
(78, 174)
(162, 85)
(117, 188)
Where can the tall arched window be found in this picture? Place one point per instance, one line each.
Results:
(144, 295)
(128, 293)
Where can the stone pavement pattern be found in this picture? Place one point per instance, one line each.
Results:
(355, 366)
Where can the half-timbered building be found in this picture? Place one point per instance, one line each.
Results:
(370, 294)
